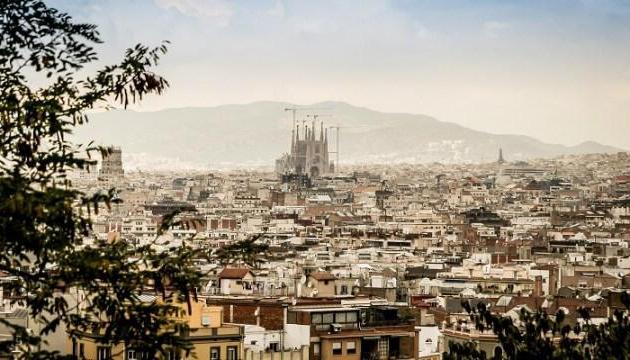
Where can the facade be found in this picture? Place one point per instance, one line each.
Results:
(309, 153)
(236, 281)
(319, 284)
(210, 338)
(375, 332)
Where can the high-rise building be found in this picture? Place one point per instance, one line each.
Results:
(111, 165)
(309, 153)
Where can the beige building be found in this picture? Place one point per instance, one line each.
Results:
(236, 281)
(209, 336)
(319, 284)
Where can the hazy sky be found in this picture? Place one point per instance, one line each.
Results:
(557, 70)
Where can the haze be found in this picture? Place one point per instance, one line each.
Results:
(555, 70)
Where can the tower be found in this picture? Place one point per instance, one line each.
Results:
(111, 165)
(500, 160)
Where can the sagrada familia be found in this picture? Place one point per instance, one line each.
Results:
(309, 153)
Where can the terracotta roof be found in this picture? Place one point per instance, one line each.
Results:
(322, 275)
(233, 273)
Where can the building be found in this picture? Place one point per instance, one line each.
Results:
(339, 332)
(209, 336)
(236, 281)
(111, 165)
(309, 153)
(319, 284)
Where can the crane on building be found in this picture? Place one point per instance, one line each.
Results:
(295, 109)
(336, 152)
(315, 117)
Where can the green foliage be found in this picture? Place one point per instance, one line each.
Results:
(44, 94)
(540, 336)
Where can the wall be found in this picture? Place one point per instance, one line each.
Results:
(296, 354)
(431, 333)
(257, 338)
(297, 336)
(326, 349)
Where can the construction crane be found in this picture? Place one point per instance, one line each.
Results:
(316, 116)
(336, 152)
(295, 109)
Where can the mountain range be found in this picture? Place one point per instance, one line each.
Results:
(257, 133)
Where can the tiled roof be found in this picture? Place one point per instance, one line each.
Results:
(233, 273)
(322, 275)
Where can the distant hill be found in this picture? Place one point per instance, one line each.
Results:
(257, 133)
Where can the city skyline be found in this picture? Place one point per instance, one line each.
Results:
(314, 180)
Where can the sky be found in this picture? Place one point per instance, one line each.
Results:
(553, 69)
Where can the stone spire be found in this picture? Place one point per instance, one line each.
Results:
(501, 160)
(321, 132)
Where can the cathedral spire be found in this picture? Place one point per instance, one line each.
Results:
(313, 131)
(321, 131)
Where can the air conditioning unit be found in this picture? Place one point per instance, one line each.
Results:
(335, 328)
(205, 320)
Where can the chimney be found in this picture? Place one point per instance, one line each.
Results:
(538, 290)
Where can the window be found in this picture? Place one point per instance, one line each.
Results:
(291, 317)
(351, 317)
(344, 290)
(328, 318)
(340, 317)
(131, 355)
(215, 353)
(351, 347)
(274, 346)
(316, 349)
(316, 319)
(231, 353)
(103, 353)
(336, 348)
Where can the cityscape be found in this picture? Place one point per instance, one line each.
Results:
(373, 261)
(270, 230)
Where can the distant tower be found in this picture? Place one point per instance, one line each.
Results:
(501, 160)
(111, 166)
